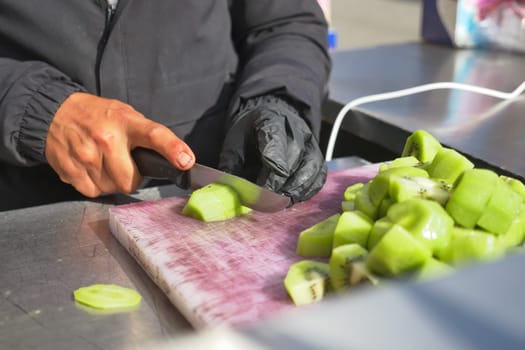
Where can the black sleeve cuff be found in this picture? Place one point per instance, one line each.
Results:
(38, 115)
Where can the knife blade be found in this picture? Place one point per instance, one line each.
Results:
(151, 164)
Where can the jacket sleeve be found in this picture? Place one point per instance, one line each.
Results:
(30, 94)
(282, 48)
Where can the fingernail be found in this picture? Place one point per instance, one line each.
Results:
(184, 159)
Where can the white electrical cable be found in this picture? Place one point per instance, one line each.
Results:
(411, 91)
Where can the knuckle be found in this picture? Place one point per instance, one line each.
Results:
(155, 132)
(88, 156)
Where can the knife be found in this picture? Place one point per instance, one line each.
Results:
(151, 164)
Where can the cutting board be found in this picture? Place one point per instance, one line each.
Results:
(228, 272)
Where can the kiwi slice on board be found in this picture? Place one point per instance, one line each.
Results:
(351, 191)
(396, 253)
(214, 202)
(432, 268)
(515, 184)
(307, 281)
(426, 220)
(352, 227)
(348, 205)
(503, 206)
(347, 267)
(107, 296)
(471, 195)
(448, 165)
(421, 145)
(364, 204)
(410, 161)
(469, 245)
(405, 187)
(515, 234)
(380, 184)
(317, 240)
(378, 230)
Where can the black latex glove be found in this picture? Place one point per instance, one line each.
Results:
(270, 144)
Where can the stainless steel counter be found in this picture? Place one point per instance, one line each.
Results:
(485, 128)
(47, 252)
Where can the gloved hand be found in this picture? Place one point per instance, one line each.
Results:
(270, 144)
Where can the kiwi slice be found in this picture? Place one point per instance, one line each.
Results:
(317, 240)
(364, 204)
(448, 165)
(515, 234)
(396, 253)
(471, 195)
(515, 184)
(351, 191)
(352, 227)
(380, 184)
(503, 206)
(348, 205)
(214, 202)
(378, 230)
(410, 161)
(426, 220)
(347, 267)
(405, 187)
(421, 145)
(468, 245)
(107, 297)
(307, 281)
(385, 204)
(432, 268)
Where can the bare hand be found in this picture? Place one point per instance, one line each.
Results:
(89, 143)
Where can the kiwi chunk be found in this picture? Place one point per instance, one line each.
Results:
(426, 220)
(503, 206)
(397, 253)
(421, 145)
(214, 202)
(468, 245)
(317, 240)
(307, 281)
(352, 227)
(470, 196)
(448, 165)
(347, 267)
(380, 185)
(107, 297)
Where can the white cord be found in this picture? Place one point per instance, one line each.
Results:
(411, 91)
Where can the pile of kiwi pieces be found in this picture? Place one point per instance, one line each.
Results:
(423, 215)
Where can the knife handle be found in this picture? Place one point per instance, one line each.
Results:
(151, 164)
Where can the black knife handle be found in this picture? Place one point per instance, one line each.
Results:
(151, 164)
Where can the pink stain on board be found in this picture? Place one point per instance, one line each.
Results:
(230, 271)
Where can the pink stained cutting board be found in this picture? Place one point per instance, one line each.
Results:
(229, 272)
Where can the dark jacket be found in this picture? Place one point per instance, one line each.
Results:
(185, 63)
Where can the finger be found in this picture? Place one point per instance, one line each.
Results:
(72, 173)
(232, 157)
(272, 142)
(310, 176)
(146, 133)
(121, 169)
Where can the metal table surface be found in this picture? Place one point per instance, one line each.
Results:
(486, 129)
(47, 252)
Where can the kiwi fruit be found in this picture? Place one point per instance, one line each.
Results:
(307, 281)
(422, 145)
(352, 227)
(348, 269)
(214, 202)
(317, 240)
(405, 187)
(448, 165)
(470, 196)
